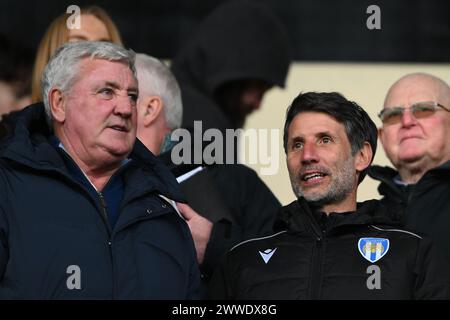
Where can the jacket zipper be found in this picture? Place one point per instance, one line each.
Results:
(317, 268)
(317, 260)
(105, 218)
(103, 204)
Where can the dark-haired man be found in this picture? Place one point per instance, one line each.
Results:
(328, 246)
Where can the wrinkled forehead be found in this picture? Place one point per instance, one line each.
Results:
(309, 123)
(98, 68)
(416, 89)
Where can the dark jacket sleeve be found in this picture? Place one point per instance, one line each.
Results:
(4, 252)
(432, 270)
(219, 287)
(224, 235)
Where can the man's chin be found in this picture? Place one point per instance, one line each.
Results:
(411, 157)
(314, 198)
(115, 153)
(318, 201)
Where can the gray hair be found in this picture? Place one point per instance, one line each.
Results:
(62, 70)
(155, 78)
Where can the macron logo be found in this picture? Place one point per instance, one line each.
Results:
(267, 254)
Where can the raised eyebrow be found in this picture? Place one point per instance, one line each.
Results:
(294, 140)
(325, 134)
(112, 84)
(133, 90)
(297, 139)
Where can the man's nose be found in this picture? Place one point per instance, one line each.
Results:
(124, 106)
(309, 153)
(408, 118)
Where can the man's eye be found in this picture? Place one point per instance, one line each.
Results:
(133, 97)
(326, 140)
(106, 93)
(297, 145)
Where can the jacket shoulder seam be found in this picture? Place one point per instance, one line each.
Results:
(397, 230)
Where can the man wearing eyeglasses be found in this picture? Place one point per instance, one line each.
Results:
(415, 135)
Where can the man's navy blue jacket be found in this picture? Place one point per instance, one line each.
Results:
(55, 241)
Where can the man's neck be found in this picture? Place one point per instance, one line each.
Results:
(346, 205)
(97, 176)
(99, 179)
(338, 208)
(411, 176)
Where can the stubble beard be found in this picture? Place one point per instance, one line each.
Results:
(341, 185)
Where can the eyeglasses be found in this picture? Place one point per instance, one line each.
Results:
(419, 110)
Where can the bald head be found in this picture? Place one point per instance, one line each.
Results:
(417, 87)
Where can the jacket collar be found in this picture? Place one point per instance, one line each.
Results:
(386, 176)
(299, 214)
(25, 141)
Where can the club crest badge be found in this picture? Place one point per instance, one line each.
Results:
(373, 249)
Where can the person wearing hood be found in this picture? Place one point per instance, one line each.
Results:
(236, 54)
(329, 246)
(84, 209)
(415, 135)
(231, 203)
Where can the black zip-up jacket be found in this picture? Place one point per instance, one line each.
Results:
(320, 258)
(238, 203)
(422, 207)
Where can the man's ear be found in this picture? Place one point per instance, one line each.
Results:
(381, 134)
(153, 107)
(57, 105)
(363, 157)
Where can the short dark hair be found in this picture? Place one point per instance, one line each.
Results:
(357, 123)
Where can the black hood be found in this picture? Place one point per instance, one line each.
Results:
(23, 136)
(239, 40)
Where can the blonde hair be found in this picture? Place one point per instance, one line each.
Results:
(56, 35)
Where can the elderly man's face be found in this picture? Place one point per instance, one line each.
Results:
(320, 164)
(100, 112)
(411, 141)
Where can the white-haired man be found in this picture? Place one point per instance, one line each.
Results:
(83, 211)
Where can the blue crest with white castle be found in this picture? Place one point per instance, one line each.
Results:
(373, 249)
